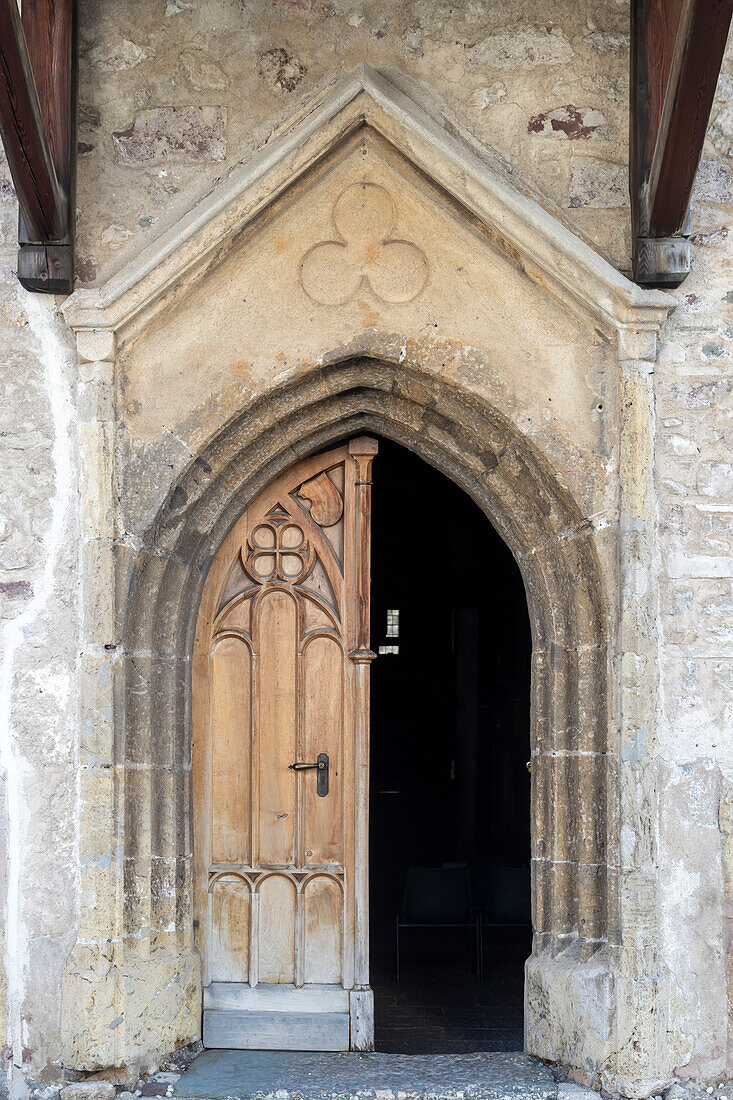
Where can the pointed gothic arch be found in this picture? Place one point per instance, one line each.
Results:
(573, 809)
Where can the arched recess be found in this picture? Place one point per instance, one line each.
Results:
(574, 814)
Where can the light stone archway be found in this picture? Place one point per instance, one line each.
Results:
(138, 905)
(574, 826)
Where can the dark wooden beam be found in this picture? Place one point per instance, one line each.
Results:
(698, 55)
(24, 133)
(677, 48)
(50, 33)
(38, 124)
(653, 35)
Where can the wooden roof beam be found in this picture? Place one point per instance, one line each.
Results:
(677, 49)
(38, 126)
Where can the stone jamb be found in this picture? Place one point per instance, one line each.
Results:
(645, 1025)
(97, 953)
(626, 1048)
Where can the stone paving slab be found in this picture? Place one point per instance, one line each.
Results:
(292, 1075)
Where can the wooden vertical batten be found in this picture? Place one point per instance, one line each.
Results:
(362, 451)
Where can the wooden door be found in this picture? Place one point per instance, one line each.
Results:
(280, 677)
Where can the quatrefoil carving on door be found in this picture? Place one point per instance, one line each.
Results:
(277, 551)
(332, 271)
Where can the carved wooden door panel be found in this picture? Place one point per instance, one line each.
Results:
(281, 755)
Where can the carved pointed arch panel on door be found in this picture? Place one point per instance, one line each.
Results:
(280, 677)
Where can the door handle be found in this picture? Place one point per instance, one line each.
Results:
(321, 765)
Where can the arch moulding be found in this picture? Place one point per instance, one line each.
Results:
(494, 343)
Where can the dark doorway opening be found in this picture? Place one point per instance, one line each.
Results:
(450, 712)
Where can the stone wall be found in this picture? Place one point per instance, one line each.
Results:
(39, 588)
(694, 750)
(174, 94)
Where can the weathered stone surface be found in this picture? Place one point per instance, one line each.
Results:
(191, 135)
(721, 126)
(570, 1090)
(96, 345)
(201, 71)
(597, 183)
(318, 43)
(523, 47)
(714, 479)
(573, 123)
(714, 182)
(89, 1090)
(607, 41)
(280, 69)
(284, 1074)
(487, 97)
(125, 55)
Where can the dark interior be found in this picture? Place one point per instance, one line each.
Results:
(449, 782)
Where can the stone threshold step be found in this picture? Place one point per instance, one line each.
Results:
(293, 1075)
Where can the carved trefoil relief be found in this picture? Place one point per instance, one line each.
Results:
(395, 270)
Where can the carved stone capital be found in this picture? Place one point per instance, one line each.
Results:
(95, 345)
(634, 343)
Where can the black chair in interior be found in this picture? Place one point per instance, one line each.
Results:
(439, 897)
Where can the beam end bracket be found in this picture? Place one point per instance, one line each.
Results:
(48, 268)
(38, 78)
(662, 262)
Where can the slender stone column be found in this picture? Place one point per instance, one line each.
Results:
(91, 975)
(642, 1043)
